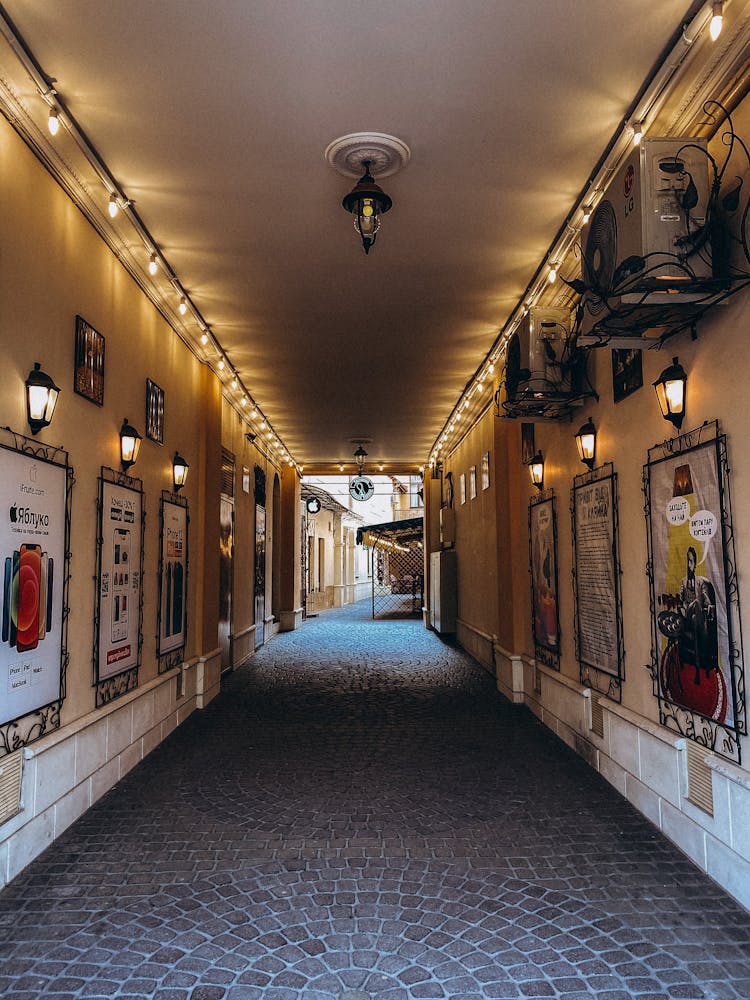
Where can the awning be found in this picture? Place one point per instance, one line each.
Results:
(407, 533)
(327, 502)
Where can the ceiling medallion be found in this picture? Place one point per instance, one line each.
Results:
(370, 154)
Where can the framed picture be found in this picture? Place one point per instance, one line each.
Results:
(472, 482)
(596, 578)
(543, 559)
(486, 471)
(627, 372)
(35, 489)
(88, 370)
(697, 663)
(527, 443)
(154, 412)
(173, 571)
(119, 581)
(462, 487)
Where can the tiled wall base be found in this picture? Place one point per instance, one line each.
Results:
(66, 772)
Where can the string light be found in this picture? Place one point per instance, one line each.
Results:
(637, 133)
(552, 275)
(204, 339)
(114, 208)
(243, 401)
(221, 365)
(153, 265)
(53, 122)
(183, 305)
(586, 213)
(253, 413)
(234, 383)
(717, 19)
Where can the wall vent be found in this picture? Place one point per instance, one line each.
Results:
(700, 786)
(597, 716)
(10, 785)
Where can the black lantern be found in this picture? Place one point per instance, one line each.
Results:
(130, 445)
(367, 202)
(179, 471)
(41, 398)
(359, 457)
(671, 390)
(536, 470)
(586, 443)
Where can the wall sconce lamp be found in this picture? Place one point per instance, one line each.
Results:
(130, 445)
(671, 390)
(586, 443)
(536, 469)
(41, 398)
(367, 201)
(179, 471)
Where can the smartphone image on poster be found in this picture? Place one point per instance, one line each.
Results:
(29, 585)
(13, 600)
(50, 581)
(121, 573)
(42, 619)
(6, 597)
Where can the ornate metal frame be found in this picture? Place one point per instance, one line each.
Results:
(542, 652)
(176, 656)
(17, 733)
(109, 688)
(714, 735)
(592, 676)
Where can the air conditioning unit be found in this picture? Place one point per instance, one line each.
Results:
(645, 249)
(536, 353)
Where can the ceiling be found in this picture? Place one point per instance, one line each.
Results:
(214, 119)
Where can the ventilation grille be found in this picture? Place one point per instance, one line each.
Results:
(700, 786)
(597, 717)
(10, 786)
(227, 473)
(537, 680)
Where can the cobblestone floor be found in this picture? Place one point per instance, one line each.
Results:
(359, 815)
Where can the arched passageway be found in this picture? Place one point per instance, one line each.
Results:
(360, 815)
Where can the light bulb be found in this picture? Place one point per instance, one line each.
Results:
(114, 208)
(586, 213)
(204, 339)
(253, 413)
(717, 20)
(244, 400)
(637, 133)
(183, 305)
(153, 266)
(367, 209)
(480, 386)
(234, 383)
(53, 122)
(262, 425)
(221, 364)
(381, 466)
(491, 368)
(552, 273)
(466, 404)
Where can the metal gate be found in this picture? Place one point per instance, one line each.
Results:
(397, 580)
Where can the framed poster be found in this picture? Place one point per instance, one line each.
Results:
(35, 487)
(543, 558)
(117, 640)
(473, 482)
(173, 570)
(462, 487)
(88, 366)
(697, 664)
(154, 412)
(486, 471)
(596, 578)
(627, 372)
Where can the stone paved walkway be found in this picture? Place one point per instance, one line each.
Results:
(359, 815)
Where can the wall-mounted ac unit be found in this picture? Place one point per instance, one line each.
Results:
(536, 353)
(645, 249)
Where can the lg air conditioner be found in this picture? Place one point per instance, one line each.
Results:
(646, 254)
(535, 362)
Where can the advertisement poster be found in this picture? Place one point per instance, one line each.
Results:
(173, 577)
(119, 580)
(542, 540)
(689, 584)
(32, 522)
(595, 575)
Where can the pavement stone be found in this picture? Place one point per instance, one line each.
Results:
(359, 814)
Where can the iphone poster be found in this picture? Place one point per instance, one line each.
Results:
(173, 577)
(32, 522)
(119, 580)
